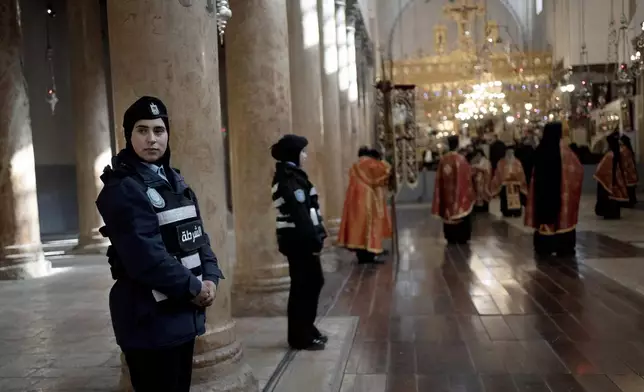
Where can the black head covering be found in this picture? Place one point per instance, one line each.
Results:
(452, 143)
(363, 151)
(145, 108)
(288, 148)
(627, 142)
(373, 153)
(613, 144)
(547, 175)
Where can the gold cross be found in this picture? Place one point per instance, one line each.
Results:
(463, 14)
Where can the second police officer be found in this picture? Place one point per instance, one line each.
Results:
(300, 237)
(166, 273)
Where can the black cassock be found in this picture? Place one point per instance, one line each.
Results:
(497, 152)
(525, 154)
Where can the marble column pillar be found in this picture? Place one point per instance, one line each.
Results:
(348, 155)
(331, 115)
(306, 86)
(20, 249)
(168, 50)
(259, 113)
(91, 121)
(354, 108)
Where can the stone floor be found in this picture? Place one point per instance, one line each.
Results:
(478, 318)
(487, 317)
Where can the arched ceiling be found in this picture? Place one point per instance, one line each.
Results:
(417, 21)
(519, 11)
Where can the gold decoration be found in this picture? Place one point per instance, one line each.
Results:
(464, 15)
(492, 31)
(440, 39)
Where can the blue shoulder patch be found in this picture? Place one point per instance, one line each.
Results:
(300, 196)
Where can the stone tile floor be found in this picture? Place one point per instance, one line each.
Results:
(56, 334)
(482, 317)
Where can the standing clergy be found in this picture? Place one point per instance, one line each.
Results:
(509, 182)
(497, 151)
(552, 209)
(300, 237)
(166, 273)
(630, 170)
(365, 217)
(454, 195)
(481, 177)
(611, 182)
(525, 154)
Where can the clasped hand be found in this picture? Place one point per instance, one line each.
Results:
(207, 295)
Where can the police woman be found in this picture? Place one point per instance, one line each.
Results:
(300, 237)
(166, 273)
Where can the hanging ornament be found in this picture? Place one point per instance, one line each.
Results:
(223, 16)
(52, 98)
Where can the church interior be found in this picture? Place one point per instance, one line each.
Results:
(407, 78)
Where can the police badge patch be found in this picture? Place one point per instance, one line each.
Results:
(300, 196)
(155, 198)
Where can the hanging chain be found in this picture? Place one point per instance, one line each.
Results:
(52, 98)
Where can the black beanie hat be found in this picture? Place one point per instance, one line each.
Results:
(145, 108)
(288, 148)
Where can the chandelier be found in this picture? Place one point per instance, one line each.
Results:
(486, 100)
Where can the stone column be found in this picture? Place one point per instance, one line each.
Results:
(91, 121)
(168, 50)
(331, 114)
(348, 155)
(306, 86)
(354, 114)
(20, 249)
(259, 113)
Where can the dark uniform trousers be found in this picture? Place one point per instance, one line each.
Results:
(164, 369)
(307, 280)
(300, 236)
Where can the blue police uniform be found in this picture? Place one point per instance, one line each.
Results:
(159, 256)
(300, 237)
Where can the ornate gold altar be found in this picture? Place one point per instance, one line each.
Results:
(424, 93)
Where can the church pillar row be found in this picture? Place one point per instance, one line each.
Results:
(331, 114)
(354, 104)
(344, 74)
(169, 50)
(91, 118)
(306, 87)
(259, 112)
(20, 248)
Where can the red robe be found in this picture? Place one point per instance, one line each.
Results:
(628, 166)
(481, 178)
(572, 178)
(365, 217)
(604, 175)
(453, 191)
(509, 172)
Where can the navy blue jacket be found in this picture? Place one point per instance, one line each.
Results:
(143, 263)
(299, 224)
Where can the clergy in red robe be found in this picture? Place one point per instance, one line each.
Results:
(365, 217)
(630, 170)
(510, 184)
(552, 208)
(481, 178)
(454, 195)
(611, 181)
